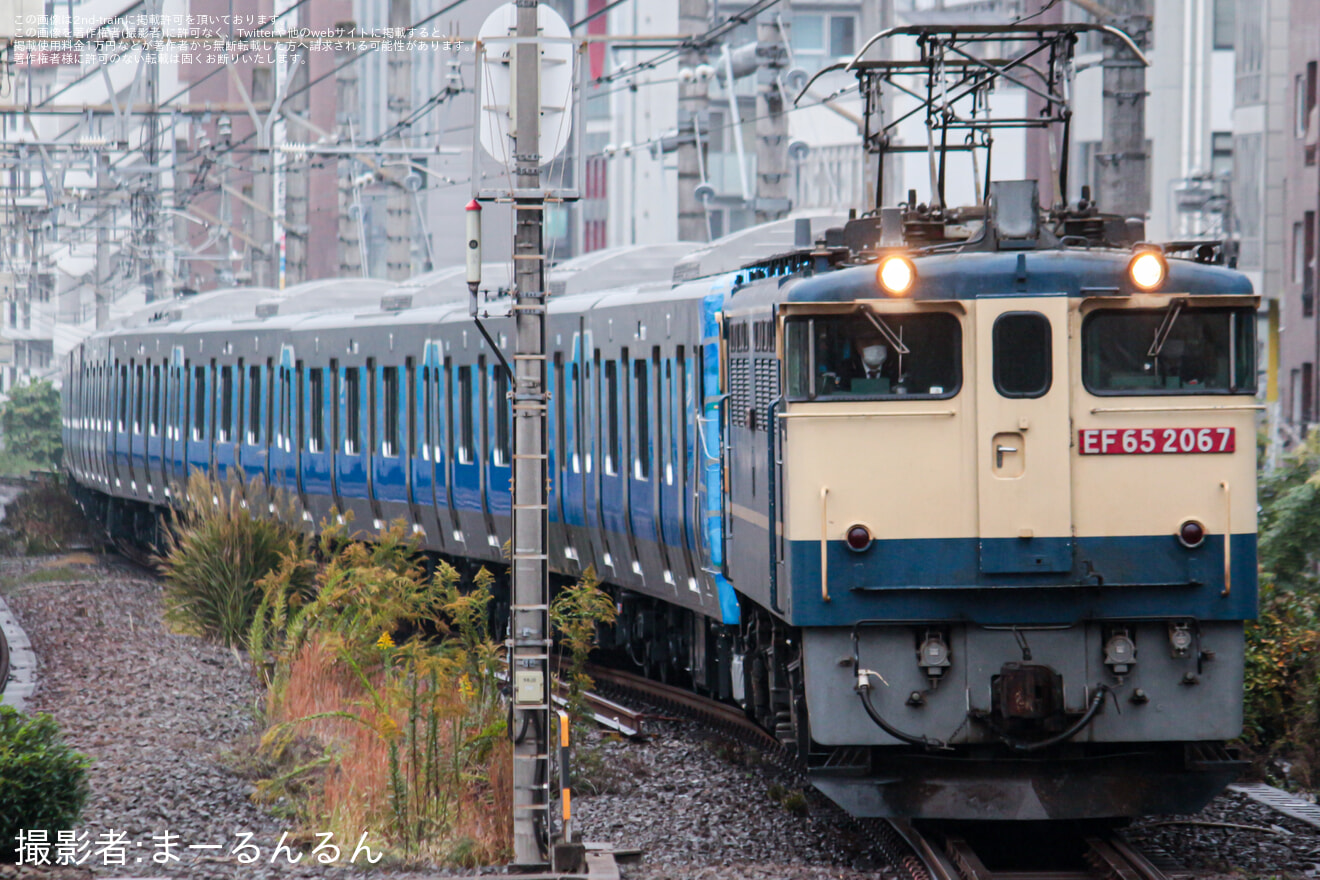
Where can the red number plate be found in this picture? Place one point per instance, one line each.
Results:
(1142, 441)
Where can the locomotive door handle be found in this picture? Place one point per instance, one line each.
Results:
(999, 454)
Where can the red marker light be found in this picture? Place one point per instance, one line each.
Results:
(1191, 534)
(859, 538)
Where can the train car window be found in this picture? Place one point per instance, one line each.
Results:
(642, 404)
(155, 400)
(667, 417)
(122, 397)
(254, 405)
(353, 410)
(561, 410)
(428, 409)
(1022, 354)
(226, 404)
(334, 404)
(301, 404)
(591, 417)
(465, 432)
(199, 403)
(371, 406)
(874, 357)
(611, 417)
(270, 399)
(681, 457)
(1174, 350)
(503, 440)
(317, 383)
(576, 378)
(240, 405)
(411, 412)
(139, 399)
(389, 435)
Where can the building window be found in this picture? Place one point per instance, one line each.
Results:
(820, 39)
(1221, 154)
(1225, 23)
(1308, 394)
(1308, 265)
(1299, 252)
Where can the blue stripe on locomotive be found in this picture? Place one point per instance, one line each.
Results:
(941, 579)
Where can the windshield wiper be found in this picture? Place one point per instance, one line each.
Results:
(1166, 327)
(887, 332)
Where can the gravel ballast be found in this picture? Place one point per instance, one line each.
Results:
(160, 711)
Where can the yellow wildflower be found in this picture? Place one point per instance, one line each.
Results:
(384, 641)
(465, 687)
(388, 727)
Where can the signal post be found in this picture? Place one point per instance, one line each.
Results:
(537, 40)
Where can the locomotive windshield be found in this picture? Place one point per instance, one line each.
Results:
(1176, 350)
(871, 356)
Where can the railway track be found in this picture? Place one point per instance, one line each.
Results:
(932, 851)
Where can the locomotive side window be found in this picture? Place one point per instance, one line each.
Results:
(1174, 350)
(1022, 354)
(866, 356)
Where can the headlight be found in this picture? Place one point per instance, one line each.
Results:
(1148, 269)
(896, 275)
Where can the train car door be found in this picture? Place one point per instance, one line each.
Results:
(155, 451)
(572, 469)
(252, 448)
(1023, 455)
(424, 462)
(389, 480)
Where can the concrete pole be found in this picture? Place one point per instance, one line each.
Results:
(297, 176)
(529, 616)
(265, 263)
(104, 187)
(693, 103)
(347, 111)
(771, 122)
(399, 222)
(1122, 159)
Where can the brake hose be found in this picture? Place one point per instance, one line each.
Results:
(1096, 702)
(864, 691)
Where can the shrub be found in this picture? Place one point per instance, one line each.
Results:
(406, 737)
(1282, 684)
(217, 550)
(43, 783)
(31, 423)
(46, 519)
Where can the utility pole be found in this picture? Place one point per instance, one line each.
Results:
(104, 187)
(297, 175)
(1122, 160)
(693, 113)
(264, 261)
(530, 614)
(772, 201)
(398, 203)
(347, 109)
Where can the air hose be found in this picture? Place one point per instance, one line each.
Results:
(864, 691)
(1096, 702)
